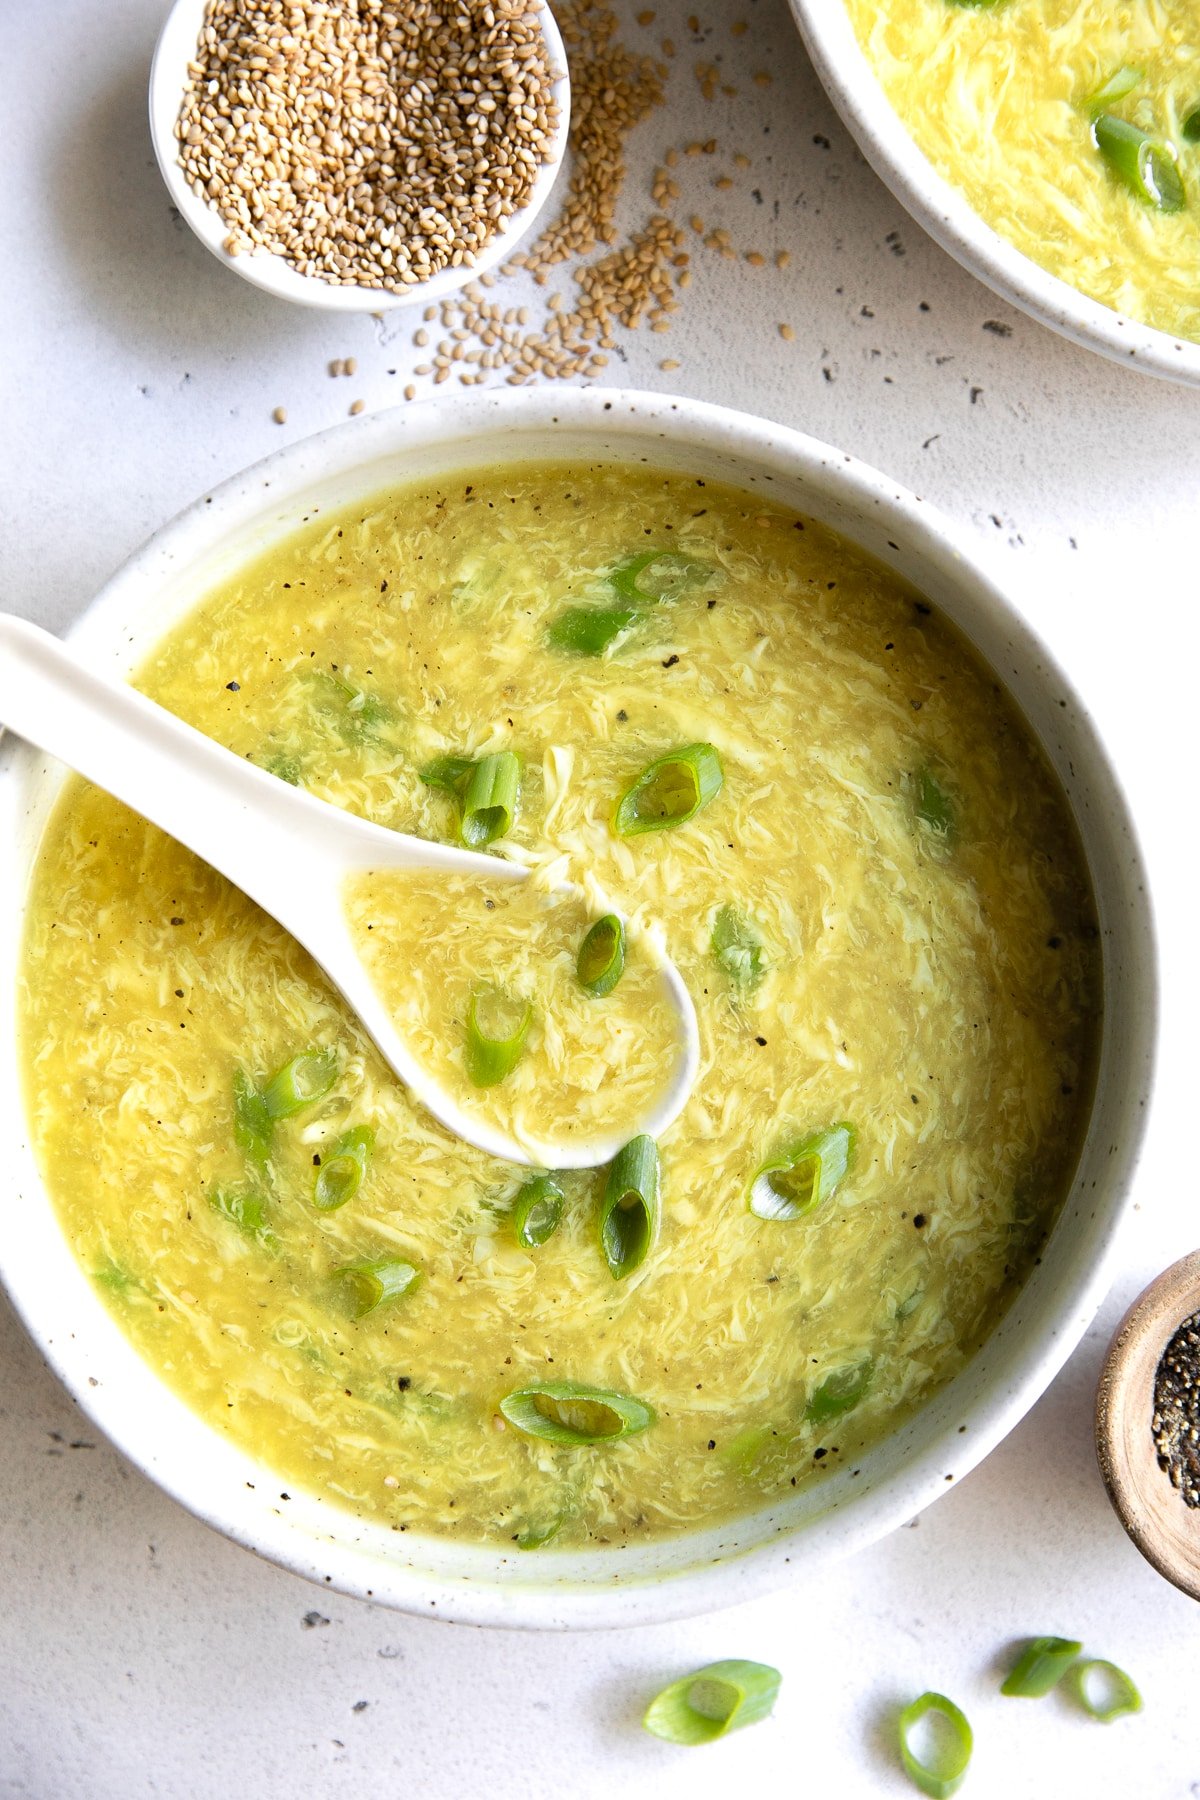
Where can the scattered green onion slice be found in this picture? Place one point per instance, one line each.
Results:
(285, 768)
(938, 1763)
(341, 1172)
(1145, 166)
(246, 1210)
(569, 1412)
(798, 1180)
(1040, 1666)
(932, 805)
(537, 1211)
(670, 791)
(840, 1392)
(738, 948)
(721, 1697)
(1190, 128)
(490, 800)
(533, 1537)
(305, 1078)
(601, 960)
(632, 1209)
(1104, 1691)
(450, 773)
(744, 1450)
(1121, 82)
(367, 1285)
(253, 1126)
(589, 630)
(497, 1026)
(657, 575)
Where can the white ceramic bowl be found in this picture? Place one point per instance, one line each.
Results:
(948, 216)
(710, 1568)
(168, 78)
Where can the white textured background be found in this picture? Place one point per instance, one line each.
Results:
(141, 1655)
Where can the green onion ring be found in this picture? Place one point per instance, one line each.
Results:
(737, 948)
(537, 1211)
(631, 1212)
(451, 773)
(245, 1210)
(622, 1415)
(367, 1285)
(1146, 166)
(490, 800)
(665, 572)
(1040, 1667)
(305, 1078)
(939, 1770)
(670, 791)
(253, 1126)
(720, 1698)
(1121, 82)
(932, 805)
(601, 960)
(1190, 129)
(341, 1172)
(1117, 1694)
(839, 1392)
(589, 630)
(497, 1026)
(801, 1178)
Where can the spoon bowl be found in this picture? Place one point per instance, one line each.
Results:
(290, 853)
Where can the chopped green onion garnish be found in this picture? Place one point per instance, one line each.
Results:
(497, 1026)
(533, 1537)
(1191, 126)
(285, 768)
(568, 1412)
(738, 948)
(1121, 82)
(798, 1180)
(245, 1210)
(1104, 1691)
(717, 1699)
(1040, 1666)
(1146, 166)
(450, 773)
(670, 791)
(743, 1451)
(341, 1172)
(305, 1078)
(932, 805)
(839, 1392)
(657, 575)
(367, 1285)
(537, 1211)
(490, 800)
(935, 1745)
(589, 630)
(632, 1209)
(253, 1126)
(601, 961)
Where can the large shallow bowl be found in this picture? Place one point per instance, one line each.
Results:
(717, 1566)
(948, 216)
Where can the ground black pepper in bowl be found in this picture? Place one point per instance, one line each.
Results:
(1176, 1421)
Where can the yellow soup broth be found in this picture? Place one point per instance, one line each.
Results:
(1000, 99)
(881, 913)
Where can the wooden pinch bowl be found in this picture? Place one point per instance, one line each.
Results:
(1165, 1530)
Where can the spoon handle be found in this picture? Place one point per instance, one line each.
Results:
(285, 849)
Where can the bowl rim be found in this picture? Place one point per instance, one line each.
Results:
(177, 41)
(944, 212)
(493, 1589)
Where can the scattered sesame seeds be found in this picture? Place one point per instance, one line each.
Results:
(357, 406)
(280, 415)
(787, 333)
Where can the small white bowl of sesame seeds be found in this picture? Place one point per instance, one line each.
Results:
(359, 158)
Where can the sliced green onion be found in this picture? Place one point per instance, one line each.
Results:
(490, 800)
(657, 575)
(744, 1450)
(1145, 166)
(1104, 1691)
(533, 1537)
(284, 768)
(537, 1211)
(1040, 1666)
(1121, 82)
(840, 1392)
(932, 805)
(1191, 126)
(601, 960)
(569, 1412)
(589, 630)
(367, 1285)
(632, 1208)
(906, 1308)
(305, 1078)
(670, 791)
(253, 1126)
(721, 1697)
(246, 1210)
(451, 773)
(936, 1759)
(738, 948)
(801, 1178)
(497, 1026)
(341, 1172)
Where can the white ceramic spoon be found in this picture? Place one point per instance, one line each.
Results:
(289, 852)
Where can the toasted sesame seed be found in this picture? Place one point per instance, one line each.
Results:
(410, 392)
(335, 367)
(755, 258)
(280, 415)
(787, 333)
(782, 258)
(350, 366)
(668, 363)
(357, 406)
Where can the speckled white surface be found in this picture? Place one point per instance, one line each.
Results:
(144, 1656)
